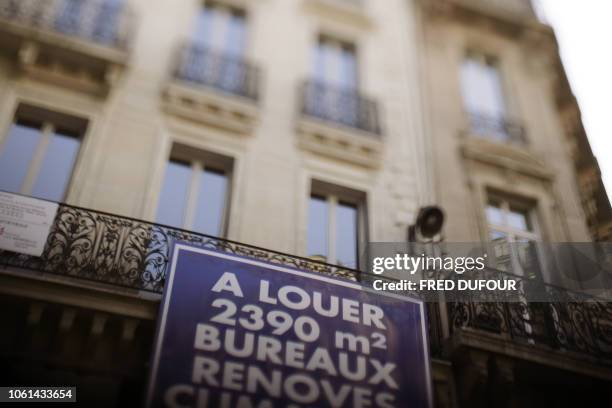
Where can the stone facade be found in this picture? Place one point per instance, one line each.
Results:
(411, 145)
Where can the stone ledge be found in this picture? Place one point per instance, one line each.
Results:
(510, 157)
(207, 105)
(346, 144)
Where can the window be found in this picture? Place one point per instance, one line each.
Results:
(335, 63)
(221, 28)
(336, 225)
(333, 93)
(38, 155)
(215, 54)
(195, 192)
(513, 233)
(483, 96)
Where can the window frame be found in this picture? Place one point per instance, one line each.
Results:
(492, 61)
(228, 11)
(534, 234)
(47, 121)
(339, 44)
(198, 162)
(334, 196)
(506, 206)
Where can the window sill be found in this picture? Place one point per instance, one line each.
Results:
(207, 105)
(340, 143)
(352, 11)
(505, 155)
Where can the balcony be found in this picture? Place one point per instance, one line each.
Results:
(502, 143)
(78, 44)
(540, 323)
(340, 123)
(121, 252)
(214, 87)
(110, 253)
(118, 252)
(574, 331)
(497, 129)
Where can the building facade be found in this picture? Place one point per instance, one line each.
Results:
(509, 152)
(302, 127)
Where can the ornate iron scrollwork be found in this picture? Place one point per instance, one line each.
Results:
(131, 253)
(573, 323)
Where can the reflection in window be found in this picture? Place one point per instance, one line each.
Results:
(194, 197)
(37, 159)
(495, 214)
(513, 237)
(518, 219)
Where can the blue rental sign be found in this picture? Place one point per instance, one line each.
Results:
(236, 332)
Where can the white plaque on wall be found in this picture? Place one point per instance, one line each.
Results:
(25, 223)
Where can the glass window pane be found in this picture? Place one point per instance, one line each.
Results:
(348, 69)
(204, 20)
(346, 235)
(527, 257)
(318, 222)
(497, 236)
(495, 215)
(236, 34)
(321, 62)
(173, 197)
(518, 219)
(482, 89)
(211, 203)
(52, 179)
(501, 253)
(231, 76)
(16, 156)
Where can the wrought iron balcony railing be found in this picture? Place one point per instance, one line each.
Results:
(573, 323)
(129, 253)
(103, 22)
(126, 252)
(341, 106)
(224, 72)
(497, 128)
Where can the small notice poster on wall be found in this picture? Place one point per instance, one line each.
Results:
(25, 223)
